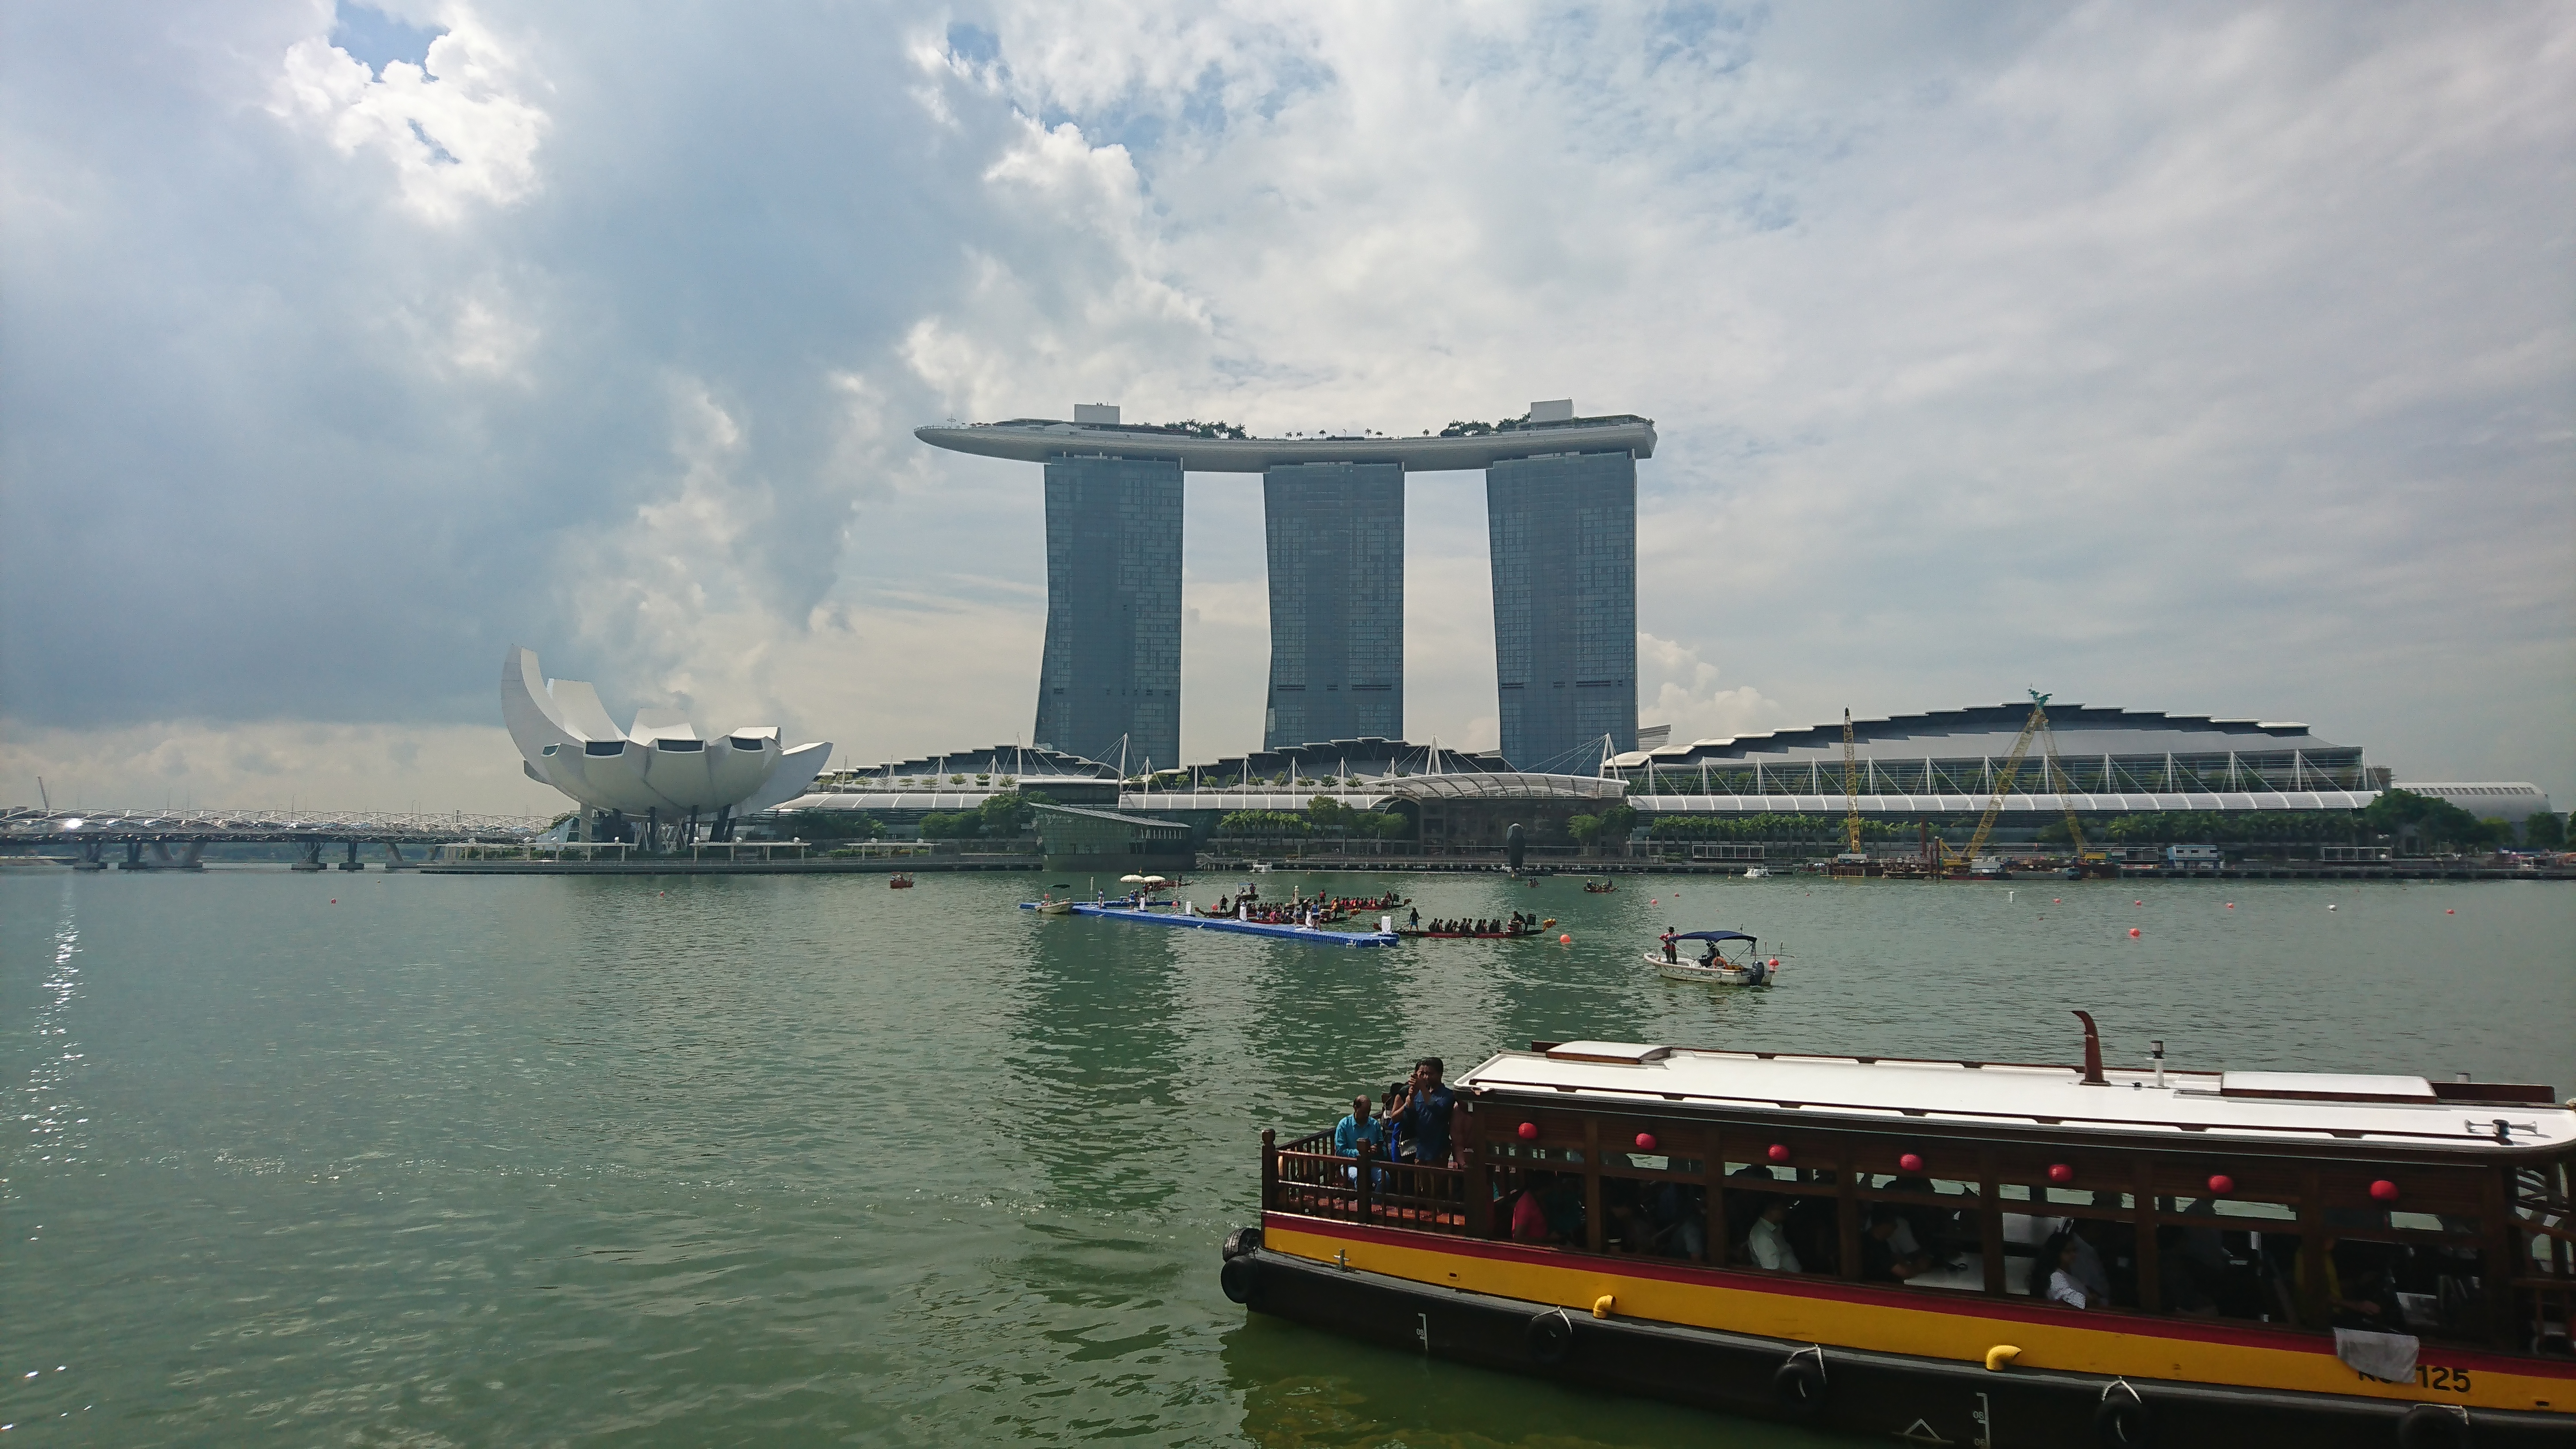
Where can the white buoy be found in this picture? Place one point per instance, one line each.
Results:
(2330, 908)
(2008, 895)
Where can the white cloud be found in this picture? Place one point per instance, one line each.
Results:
(1678, 688)
(2201, 359)
(274, 764)
(456, 129)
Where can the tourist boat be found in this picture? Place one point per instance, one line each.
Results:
(899, 882)
(2290, 1258)
(1717, 968)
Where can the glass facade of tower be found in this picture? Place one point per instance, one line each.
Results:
(1562, 531)
(1336, 534)
(1112, 669)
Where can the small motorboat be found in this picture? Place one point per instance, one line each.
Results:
(901, 881)
(1600, 888)
(1746, 968)
(1755, 872)
(1050, 906)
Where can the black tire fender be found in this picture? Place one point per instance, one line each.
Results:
(2124, 1419)
(1241, 1280)
(1550, 1337)
(1798, 1384)
(1242, 1241)
(2435, 1426)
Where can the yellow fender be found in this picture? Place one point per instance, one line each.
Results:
(1999, 1355)
(1602, 1306)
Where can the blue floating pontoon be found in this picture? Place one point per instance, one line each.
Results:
(1175, 917)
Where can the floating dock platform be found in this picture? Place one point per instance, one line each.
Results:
(1176, 917)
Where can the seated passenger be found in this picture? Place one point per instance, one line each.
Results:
(1529, 1212)
(2057, 1259)
(1769, 1240)
(1360, 1128)
(1882, 1258)
(1680, 1220)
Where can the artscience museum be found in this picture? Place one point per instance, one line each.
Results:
(651, 784)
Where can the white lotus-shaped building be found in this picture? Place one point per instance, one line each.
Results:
(661, 769)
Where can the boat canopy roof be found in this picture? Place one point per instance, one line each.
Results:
(2208, 1108)
(1712, 936)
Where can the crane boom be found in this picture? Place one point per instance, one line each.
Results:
(2012, 771)
(1851, 790)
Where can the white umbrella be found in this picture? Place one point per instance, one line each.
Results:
(1156, 880)
(1131, 880)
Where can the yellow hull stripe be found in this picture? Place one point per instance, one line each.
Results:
(1958, 1333)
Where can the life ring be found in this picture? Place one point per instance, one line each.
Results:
(2123, 1419)
(2435, 1426)
(1550, 1337)
(1241, 1280)
(1799, 1383)
(1242, 1241)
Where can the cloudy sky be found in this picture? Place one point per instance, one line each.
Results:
(2208, 359)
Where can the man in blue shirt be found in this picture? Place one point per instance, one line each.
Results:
(1360, 1127)
(1424, 1107)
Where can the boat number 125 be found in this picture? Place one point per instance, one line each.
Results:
(2433, 1376)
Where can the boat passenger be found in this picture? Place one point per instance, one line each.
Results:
(1769, 1240)
(1529, 1213)
(2057, 1259)
(1679, 1217)
(1424, 1107)
(1672, 945)
(1359, 1129)
(2088, 1260)
(1416, 918)
(1882, 1258)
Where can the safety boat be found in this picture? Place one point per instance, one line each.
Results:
(1748, 967)
(901, 881)
(1982, 1253)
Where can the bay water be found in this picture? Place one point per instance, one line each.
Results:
(429, 1160)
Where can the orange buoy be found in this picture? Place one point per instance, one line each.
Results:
(1565, 940)
(2133, 933)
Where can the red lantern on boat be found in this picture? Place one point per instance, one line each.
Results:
(2383, 1191)
(2220, 1184)
(1645, 1142)
(1779, 1152)
(1529, 1131)
(2060, 1173)
(1910, 1162)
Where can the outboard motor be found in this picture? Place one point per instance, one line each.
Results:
(1756, 972)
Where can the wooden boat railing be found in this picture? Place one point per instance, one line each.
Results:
(1308, 1178)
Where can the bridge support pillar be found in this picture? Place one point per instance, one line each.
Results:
(312, 855)
(89, 857)
(394, 857)
(353, 863)
(133, 857)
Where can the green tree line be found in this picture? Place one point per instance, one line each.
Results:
(1005, 816)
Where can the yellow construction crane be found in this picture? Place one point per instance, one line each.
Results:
(2052, 774)
(1851, 791)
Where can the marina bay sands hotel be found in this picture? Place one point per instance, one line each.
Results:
(1561, 525)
